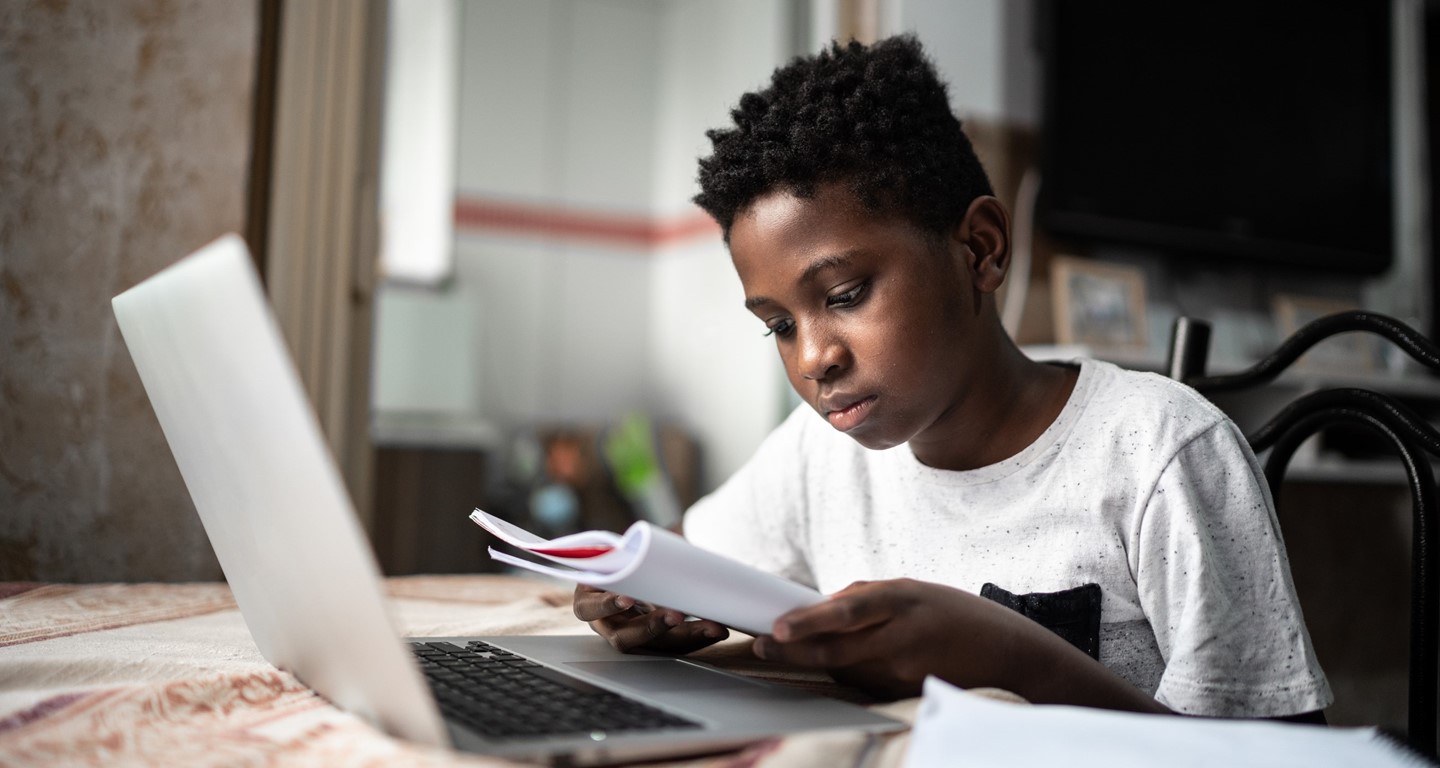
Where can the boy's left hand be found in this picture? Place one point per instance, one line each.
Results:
(884, 637)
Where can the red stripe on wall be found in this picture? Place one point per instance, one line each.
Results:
(479, 215)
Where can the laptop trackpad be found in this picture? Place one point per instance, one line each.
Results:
(659, 675)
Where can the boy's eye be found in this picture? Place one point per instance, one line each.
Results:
(782, 328)
(847, 298)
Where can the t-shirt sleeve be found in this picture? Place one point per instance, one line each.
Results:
(1215, 583)
(757, 515)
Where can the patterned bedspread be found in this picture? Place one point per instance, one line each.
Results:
(166, 674)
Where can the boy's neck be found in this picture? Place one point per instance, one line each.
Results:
(1002, 415)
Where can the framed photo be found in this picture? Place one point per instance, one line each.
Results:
(1345, 353)
(1098, 304)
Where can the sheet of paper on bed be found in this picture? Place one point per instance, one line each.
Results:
(958, 728)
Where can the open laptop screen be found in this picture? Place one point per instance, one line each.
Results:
(247, 442)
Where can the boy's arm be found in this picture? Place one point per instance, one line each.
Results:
(885, 637)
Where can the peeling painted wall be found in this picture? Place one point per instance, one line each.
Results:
(124, 144)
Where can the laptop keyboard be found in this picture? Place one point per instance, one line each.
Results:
(501, 695)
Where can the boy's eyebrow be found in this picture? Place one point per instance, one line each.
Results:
(814, 268)
(822, 264)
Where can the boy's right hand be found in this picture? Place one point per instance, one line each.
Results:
(631, 625)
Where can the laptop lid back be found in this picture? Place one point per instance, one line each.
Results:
(253, 457)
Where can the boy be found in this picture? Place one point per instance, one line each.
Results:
(1072, 533)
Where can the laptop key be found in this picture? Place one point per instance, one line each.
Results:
(572, 683)
(445, 647)
(501, 695)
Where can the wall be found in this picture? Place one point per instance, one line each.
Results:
(984, 50)
(555, 106)
(715, 371)
(586, 284)
(124, 139)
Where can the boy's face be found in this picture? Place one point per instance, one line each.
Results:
(875, 319)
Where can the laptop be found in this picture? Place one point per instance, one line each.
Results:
(248, 444)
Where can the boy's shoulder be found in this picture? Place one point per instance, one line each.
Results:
(1146, 386)
(1120, 399)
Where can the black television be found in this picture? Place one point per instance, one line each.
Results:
(1249, 130)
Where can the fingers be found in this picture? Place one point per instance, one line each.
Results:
(885, 637)
(628, 624)
(671, 636)
(853, 608)
(593, 604)
(689, 636)
(822, 651)
(659, 630)
(638, 631)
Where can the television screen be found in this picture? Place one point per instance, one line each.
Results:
(1246, 129)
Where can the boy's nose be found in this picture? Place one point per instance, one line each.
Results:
(821, 357)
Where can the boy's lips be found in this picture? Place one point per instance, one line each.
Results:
(845, 415)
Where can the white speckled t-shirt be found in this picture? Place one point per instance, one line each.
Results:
(1140, 485)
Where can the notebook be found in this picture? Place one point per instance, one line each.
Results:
(250, 449)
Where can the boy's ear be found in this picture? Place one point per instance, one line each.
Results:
(985, 233)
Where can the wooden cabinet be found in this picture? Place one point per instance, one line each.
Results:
(423, 498)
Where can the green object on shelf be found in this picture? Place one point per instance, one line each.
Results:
(629, 451)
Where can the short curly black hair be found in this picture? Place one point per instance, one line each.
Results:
(876, 118)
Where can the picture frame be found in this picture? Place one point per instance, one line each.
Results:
(1343, 353)
(1100, 305)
